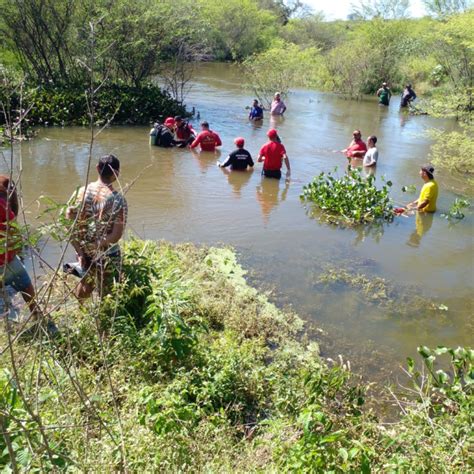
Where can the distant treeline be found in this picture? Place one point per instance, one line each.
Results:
(281, 43)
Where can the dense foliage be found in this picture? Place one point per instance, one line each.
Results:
(352, 199)
(187, 368)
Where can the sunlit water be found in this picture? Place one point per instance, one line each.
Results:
(180, 196)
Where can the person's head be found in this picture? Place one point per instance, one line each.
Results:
(356, 135)
(205, 125)
(178, 120)
(372, 140)
(240, 142)
(8, 191)
(384, 84)
(427, 172)
(169, 122)
(272, 134)
(108, 168)
(277, 96)
(255, 102)
(408, 86)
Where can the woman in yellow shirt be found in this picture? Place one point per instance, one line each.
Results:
(429, 192)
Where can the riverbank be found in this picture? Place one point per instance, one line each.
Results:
(186, 367)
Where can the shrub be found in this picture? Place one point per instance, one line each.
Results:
(351, 199)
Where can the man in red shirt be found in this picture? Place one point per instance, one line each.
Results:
(208, 139)
(272, 154)
(357, 148)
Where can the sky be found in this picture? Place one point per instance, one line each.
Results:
(339, 9)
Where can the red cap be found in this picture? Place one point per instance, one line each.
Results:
(169, 122)
(239, 141)
(272, 133)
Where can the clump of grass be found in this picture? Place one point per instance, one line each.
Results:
(187, 368)
(351, 199)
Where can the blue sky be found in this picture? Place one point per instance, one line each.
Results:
(339, 9)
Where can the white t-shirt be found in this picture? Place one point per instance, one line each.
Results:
(371, 157)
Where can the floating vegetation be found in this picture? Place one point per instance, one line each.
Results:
(455, 211)
(410, 189)
(349, 200)
(394, 298)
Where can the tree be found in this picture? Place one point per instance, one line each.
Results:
(442, 8)
(386, 9)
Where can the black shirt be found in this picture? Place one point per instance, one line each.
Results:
(238, 160)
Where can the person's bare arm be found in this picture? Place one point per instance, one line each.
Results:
(116, 233)
(260, 158)
(287, 163)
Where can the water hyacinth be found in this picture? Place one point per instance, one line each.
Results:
(351, 199)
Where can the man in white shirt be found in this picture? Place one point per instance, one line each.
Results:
(372, 154)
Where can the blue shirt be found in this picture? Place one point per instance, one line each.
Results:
(256, 112)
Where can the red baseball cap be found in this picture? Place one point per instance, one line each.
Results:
(169, 121)
(239, 141)
(272, 133)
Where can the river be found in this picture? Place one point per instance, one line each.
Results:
(179, 196)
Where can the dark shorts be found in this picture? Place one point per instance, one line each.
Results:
(105, 271)
(272, 173)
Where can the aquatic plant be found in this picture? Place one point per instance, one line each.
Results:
(351, 199)
(455, 211)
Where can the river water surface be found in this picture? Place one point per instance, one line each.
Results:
(180, 196)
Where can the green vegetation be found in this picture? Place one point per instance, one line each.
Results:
(351, 199)
(187, 368)
(456, 209)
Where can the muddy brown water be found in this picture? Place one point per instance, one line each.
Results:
(180, 196)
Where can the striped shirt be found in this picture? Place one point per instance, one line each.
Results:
(103, 207)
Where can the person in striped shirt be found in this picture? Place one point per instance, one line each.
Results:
(100, 215)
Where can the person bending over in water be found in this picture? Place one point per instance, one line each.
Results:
(256, 112)
(408, 96)
(429, 192)
(357, 148)
(162, 135)
(273, 154)
(240, 159)
(12, 271)
(207, 139)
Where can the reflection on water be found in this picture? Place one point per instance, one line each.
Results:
(181, 196)
(270, 194)
(237, 179)
(423, 223)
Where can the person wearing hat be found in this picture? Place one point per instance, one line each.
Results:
(240, 159)
(163, 134)
(207, 139)
(429, 192)
(184, 132)
(273, 154)
(278, 107)
(384, 94)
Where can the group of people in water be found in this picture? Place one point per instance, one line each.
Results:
(385, 94)
(98, 212)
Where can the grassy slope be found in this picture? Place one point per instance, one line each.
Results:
(187, 368)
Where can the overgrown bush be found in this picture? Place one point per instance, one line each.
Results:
(351, 199)
(120, 103)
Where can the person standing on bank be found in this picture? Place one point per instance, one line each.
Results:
(207, 139)
(278, 107)
(240, 159)
(101, 213)
(12, 271)
(272, 154)
(384, 94)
